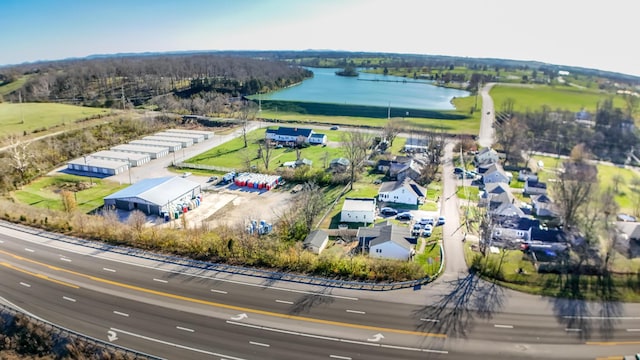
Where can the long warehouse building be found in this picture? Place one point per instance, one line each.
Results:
(151, 151)
(132, 159)
(97, 166)
(182, 141)
(173, 146)
(207, 134)
(197, 138)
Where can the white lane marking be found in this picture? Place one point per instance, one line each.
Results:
(284, 302)
(25, 284)
(633, 330)
(176, 345)
(430, 320)
(503, 326)
(65, 259)
(29, 250)
(259, 327)
(161, 281)
(185, 329)
(339, 357)
(572, 330)
(109, 270)
(69, 299)
(218, 291)
(120, 313)
(603, 317)
(259, 344)
(356, 312)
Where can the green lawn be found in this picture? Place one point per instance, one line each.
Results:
(41, 116)
(431, 251)
(13, 86)
(533, 97)
(45, 192)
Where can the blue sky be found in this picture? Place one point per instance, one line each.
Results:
(595, 34)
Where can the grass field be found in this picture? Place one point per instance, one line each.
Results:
(45, 192)
(534, 97)
(41, 116)
(13, 86)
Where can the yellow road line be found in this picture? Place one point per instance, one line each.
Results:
(229, 307)
(40, 276)
(612, 343)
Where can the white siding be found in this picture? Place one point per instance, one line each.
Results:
(401, 196)
(389, 250)
(357, 216)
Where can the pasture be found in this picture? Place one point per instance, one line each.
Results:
(534, 97)
(18, 119)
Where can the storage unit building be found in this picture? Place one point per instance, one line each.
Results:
(184, 142)
(207, 134)
(156, 196)
(133, 159)
(151, 151)
(97, 166)
(172, 146)
(197, 138)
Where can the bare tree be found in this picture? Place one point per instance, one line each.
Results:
(511, 135)
(391, 130)
(136, 220)
(247, 112)
(68, 201)
(573, 188)
(265, 152)
(21, 158)
(310, 202)
(354, 147)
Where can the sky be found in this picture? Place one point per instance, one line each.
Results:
(589, 33)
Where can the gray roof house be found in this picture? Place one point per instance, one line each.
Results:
(495, 174)
(534, 187)
(495, 193)
(387, 241)
(486, 156)
(543, 206)
(316, 241)
(406, 191)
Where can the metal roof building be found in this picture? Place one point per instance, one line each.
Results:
(207, 134)
(172, 146)
(153, 152)
(132, 159)
(98, 166)
(154, 196)
(182, 141)
(197, 138)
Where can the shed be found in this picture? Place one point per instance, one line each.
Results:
(358, 210)
(316, 241)
(316, 138)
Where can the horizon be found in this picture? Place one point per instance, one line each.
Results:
(542, 31)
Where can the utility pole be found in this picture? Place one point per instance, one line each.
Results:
(21, 114)
(122, 88)
(129, 167)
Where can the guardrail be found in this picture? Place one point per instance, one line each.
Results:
(59, 332)
(231, 269)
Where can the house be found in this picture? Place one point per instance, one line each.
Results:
(505, 208)
(318, 139)
(409, 172)
(289, 135)
(495, 193)
(495, 174)
(316, 241)
(628, 239)
(416, 145)
(406, 191)
(526, 174)
(339, 164)
(358, 210)
(383, 165)
(512, 230)
(547, 236)
(543, 206)
(534, 187)
(387, 241)
(486, 156)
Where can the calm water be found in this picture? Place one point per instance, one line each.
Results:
(327, 87)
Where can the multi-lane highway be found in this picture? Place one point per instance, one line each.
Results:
(178, 312)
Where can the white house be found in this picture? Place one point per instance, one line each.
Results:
(320, 139)
(513, 229)
(358, 210)
(495, 174)
(387, 241)
(534, 187)
(291, 135)
(316, 241)
(402, 192)
(486, 156)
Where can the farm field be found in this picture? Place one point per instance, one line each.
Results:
(41, 116)
(45, 192)
(534, 97)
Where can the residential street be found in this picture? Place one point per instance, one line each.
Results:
(485, 138)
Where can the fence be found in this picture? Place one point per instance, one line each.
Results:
(184, 165)
(60, 333)
(231, 269)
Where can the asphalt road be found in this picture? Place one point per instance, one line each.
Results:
(485, 138)
(186, 313)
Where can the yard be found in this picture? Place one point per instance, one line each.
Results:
(45, 192)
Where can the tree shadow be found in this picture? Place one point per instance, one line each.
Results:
(308, 301)
(453, 313)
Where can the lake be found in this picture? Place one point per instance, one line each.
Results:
(368, 89)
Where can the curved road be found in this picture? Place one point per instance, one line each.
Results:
(178, 312)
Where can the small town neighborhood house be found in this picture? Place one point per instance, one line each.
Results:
(358, 210)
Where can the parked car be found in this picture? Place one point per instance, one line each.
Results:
(427, 230)
(458, 170)
(405, 216)
(213, 178)
(387, 211)
(441, 220)
(415, 230)
(335, 127)
(426, 221)
(187, 174)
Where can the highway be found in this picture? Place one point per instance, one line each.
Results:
(178, 312)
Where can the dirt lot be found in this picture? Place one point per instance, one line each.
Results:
(232, 205)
